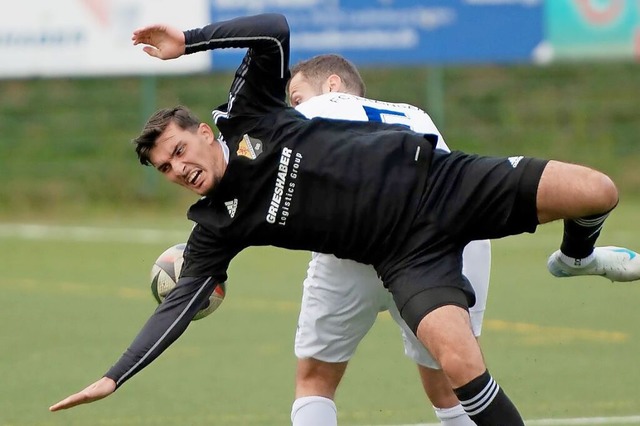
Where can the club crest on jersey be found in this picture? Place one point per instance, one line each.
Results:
(250, 147)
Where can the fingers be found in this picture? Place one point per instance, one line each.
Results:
(151, 51)
(151, 48)
(70, 401)
(161, 41)
(98, 390)
(142, 38)
(150, 37)
(146, 35)
(148, 30)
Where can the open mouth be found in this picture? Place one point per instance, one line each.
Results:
(194, 177)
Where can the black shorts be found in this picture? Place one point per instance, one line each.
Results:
(468, 197)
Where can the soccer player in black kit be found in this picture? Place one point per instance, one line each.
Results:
(374, 193)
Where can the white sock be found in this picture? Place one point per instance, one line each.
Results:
(454, 416)
(577, 263)
(314, 411)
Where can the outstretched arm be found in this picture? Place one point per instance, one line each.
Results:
(167, 323)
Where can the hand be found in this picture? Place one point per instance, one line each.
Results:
(100, 389)
(162, 41)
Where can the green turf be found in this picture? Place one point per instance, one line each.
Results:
(560, 347)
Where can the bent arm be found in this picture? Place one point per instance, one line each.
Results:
(267, 35)
(259, 86)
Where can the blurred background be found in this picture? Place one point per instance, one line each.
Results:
(81, 221)
(557, 79)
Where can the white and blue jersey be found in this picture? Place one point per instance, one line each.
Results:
(342, 106)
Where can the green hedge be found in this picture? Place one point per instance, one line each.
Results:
(64, 143)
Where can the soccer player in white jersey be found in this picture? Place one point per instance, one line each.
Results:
(334, 317)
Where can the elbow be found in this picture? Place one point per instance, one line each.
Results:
(279, 24)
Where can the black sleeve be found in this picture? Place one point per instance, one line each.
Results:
(166, 324)
(260, 82)
(206, 261)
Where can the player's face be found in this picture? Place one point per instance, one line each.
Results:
(301, 90)
(193, 159)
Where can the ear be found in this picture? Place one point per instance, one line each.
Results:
(206, 130)
(334, 83)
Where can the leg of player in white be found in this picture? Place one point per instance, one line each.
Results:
(341, 301)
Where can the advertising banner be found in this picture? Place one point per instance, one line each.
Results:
(592, 29)
(400, 32)
(40, 38)
(90, 37)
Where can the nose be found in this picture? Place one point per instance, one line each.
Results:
(178, 168)
(176, 171)
(182, 167)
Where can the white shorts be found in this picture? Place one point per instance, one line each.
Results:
(342, 298)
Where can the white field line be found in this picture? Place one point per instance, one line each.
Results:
(98, 234)
(90, 233)
(586, 421)
(150, 236)
(564, 422)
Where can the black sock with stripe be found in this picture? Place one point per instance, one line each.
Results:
(580, 235)
(486, 403)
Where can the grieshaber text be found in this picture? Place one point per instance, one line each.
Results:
(285, 187)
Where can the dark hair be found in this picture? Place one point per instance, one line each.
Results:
(320, 67)
(157, 124)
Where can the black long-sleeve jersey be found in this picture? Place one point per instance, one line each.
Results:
(347, 188)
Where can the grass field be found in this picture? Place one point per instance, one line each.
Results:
(74, 294)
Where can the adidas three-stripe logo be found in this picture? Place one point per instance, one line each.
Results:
(515, 160)
(479, 402)
(231, 207)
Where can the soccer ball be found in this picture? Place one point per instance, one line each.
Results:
(165, 273)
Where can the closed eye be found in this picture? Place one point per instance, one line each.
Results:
(294, 100)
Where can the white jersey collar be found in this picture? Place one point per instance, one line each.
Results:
(225, 149)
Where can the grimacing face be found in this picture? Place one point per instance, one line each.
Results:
(301, 90)
(193, 159)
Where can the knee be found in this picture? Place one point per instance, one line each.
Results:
(568, 191)
(446, 333)
(460, 367)
(606, 190)
(315, 377)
